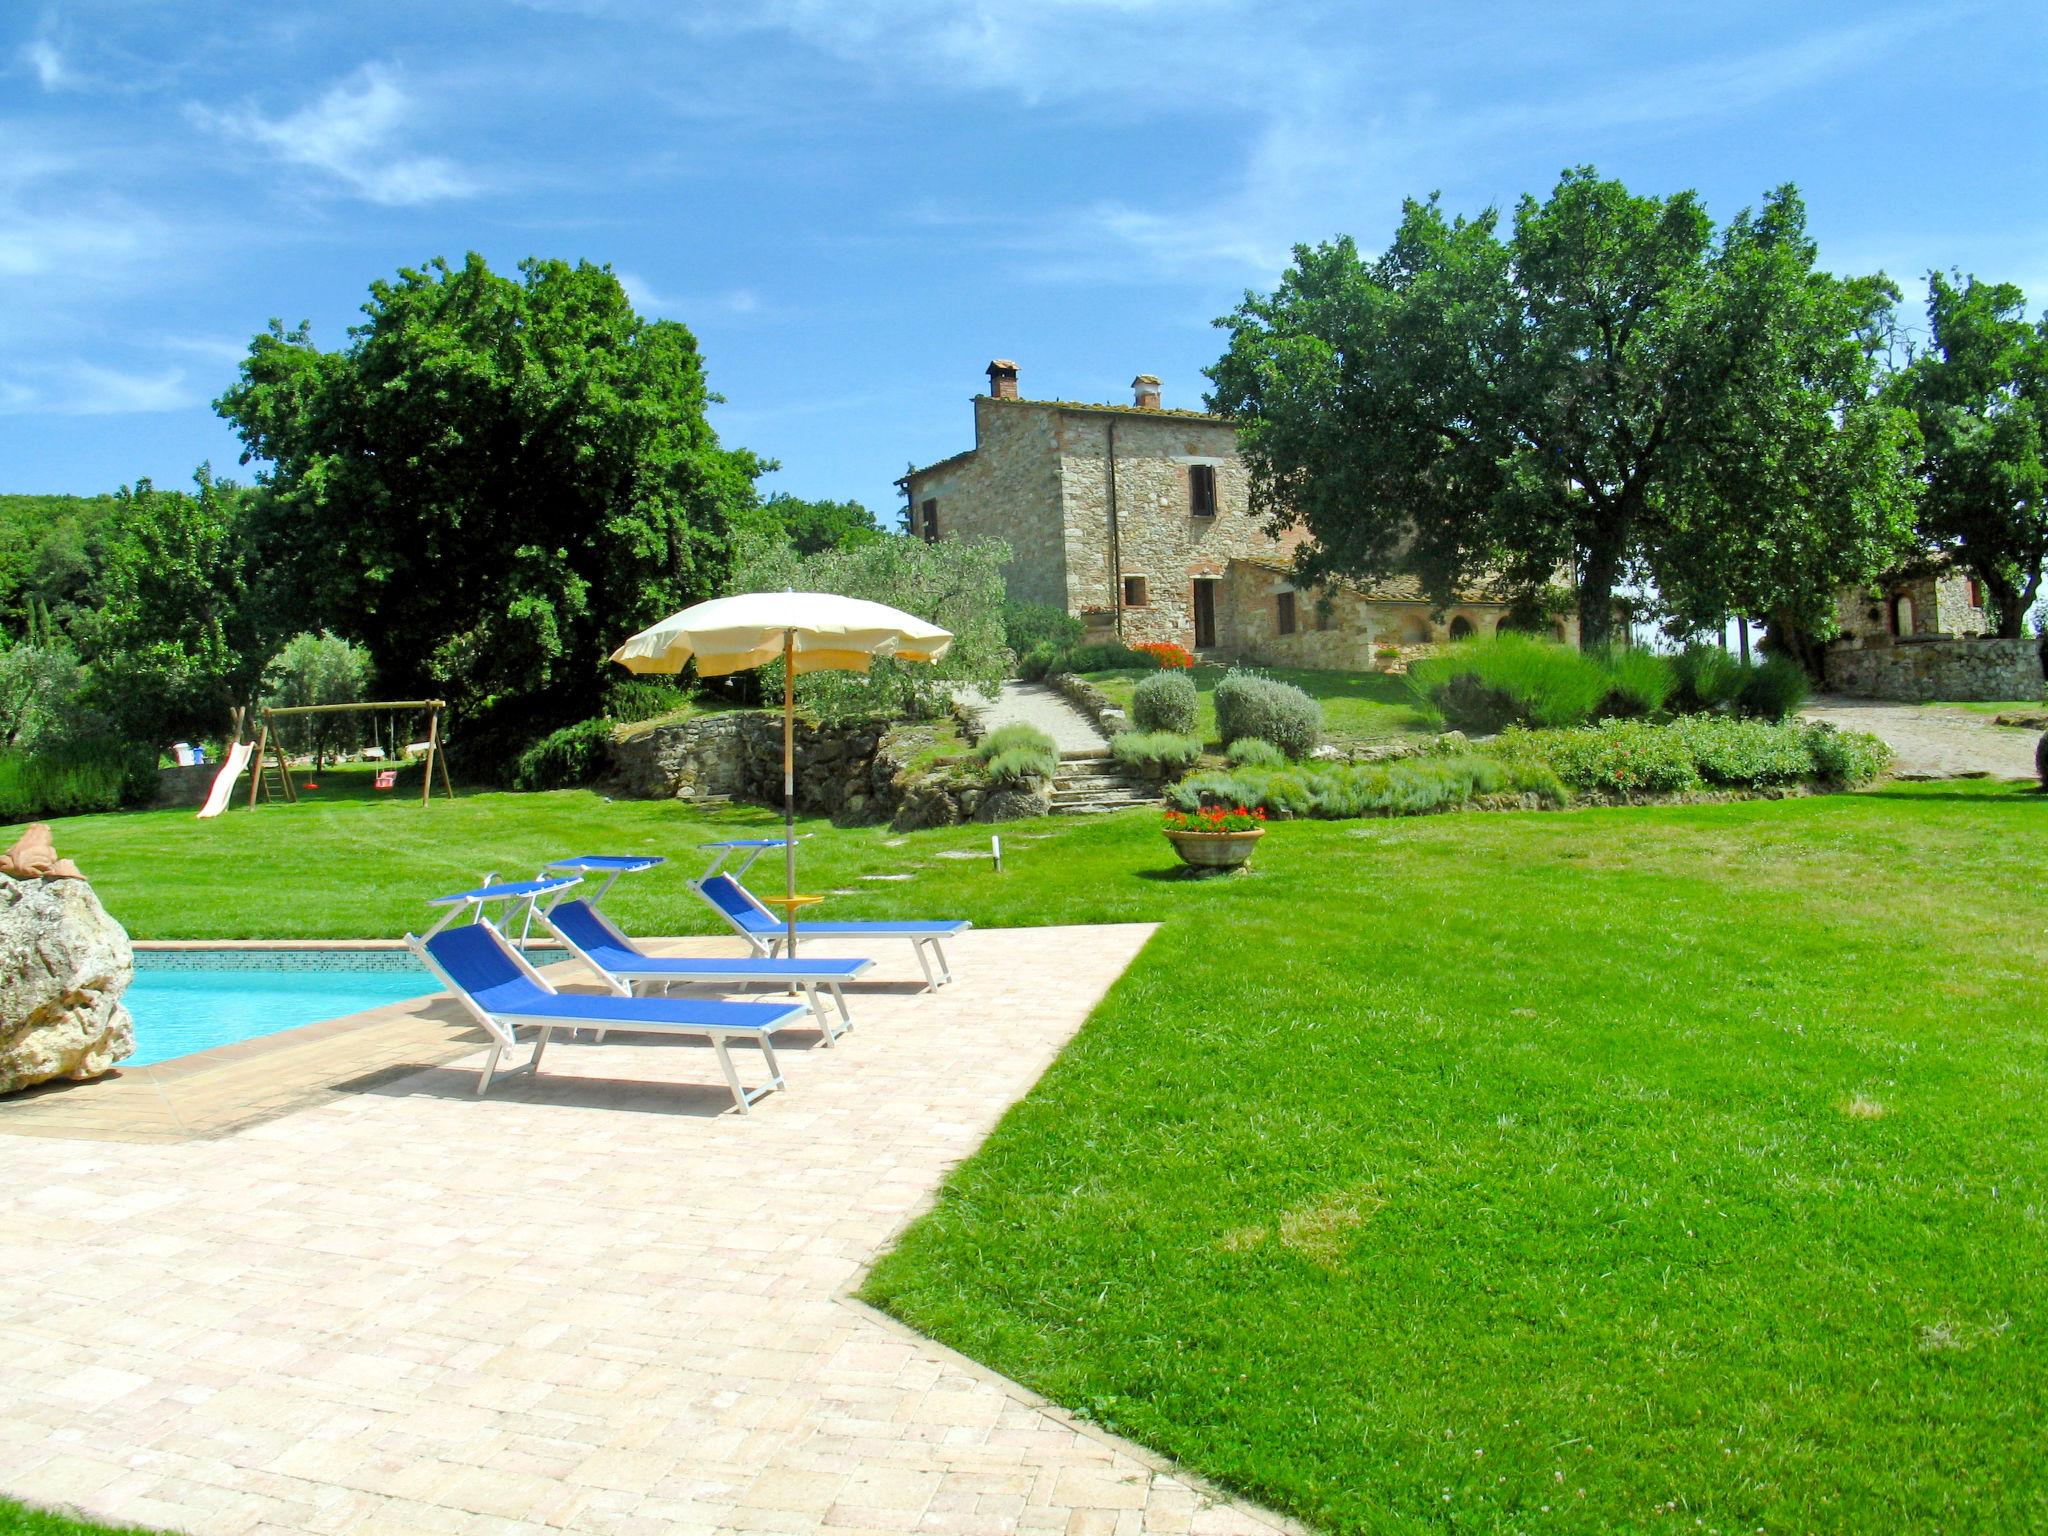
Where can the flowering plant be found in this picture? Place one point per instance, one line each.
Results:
(1171, 657)
(1215, 819)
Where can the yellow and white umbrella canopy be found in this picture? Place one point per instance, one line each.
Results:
(817, 631)
(808, 632)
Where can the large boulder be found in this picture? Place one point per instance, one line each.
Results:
(64, 964)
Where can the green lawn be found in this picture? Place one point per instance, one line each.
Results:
(1675, 1169)
(1357, 706)
(1981, 707)
(25, 1520)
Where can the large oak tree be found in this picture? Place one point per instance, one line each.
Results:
(1980, 390)
(1612, 389)
(493, 482)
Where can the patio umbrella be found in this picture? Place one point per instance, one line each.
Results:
(807, 632)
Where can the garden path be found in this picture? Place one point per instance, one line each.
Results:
(1929, 742)
(591, 1302)
(1043, 706)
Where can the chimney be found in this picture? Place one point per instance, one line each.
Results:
(1002, 379)
(1146, 396)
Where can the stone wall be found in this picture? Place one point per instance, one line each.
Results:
(1940, 602)
(179, 787)
(854, 774)
(1346, 633)
(1917, 670)
(1006, 487)
(840, 772)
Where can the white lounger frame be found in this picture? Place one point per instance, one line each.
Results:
(503, 1029)
(769, 946)
(624, 982)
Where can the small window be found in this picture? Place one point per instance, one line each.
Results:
(1976, 593)
(1326, 612)
(931, 522)
(1202, 489)
(1136, 592)
(1283, 613)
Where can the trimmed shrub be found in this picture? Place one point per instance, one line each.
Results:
(1486, 685)
(633, 699)
(1708, 679)
(1250, 752)
(1018, 765)
(1039, 663)
(1166, 702)
(1155, 754)
(1749, 753)
(1027, 626)
(1618, 757)
(75, 780)
(1248, 704)
(566, 759)
(1775, 689)
(1106, 656)
(1011, 754)
(1532, 776)
(1849, 758)
(1166, 654)
(1638, 681)
(1344, 791)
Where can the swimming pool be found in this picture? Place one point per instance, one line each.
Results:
(193, 1000)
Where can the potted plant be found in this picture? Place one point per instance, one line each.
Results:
(1213, 837)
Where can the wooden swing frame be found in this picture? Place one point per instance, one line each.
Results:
(270, 744)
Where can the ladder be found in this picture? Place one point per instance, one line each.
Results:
(272, 778)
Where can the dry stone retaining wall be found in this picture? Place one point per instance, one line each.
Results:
(1919, 670)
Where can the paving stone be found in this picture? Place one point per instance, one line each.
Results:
(591, 1302)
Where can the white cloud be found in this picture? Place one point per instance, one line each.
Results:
(86, 389)
(737, 303)
(355, 134)
(48, 64)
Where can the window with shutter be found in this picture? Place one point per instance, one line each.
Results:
(931, 522)
(1283, 613)
(1202, 489)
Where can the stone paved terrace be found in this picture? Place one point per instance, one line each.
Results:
(591, 1302)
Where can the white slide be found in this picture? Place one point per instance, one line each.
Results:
(224, 781)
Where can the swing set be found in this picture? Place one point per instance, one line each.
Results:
(272, 778)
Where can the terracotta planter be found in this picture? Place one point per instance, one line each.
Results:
(1215, 850)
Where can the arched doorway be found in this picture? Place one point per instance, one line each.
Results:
(1902, 615)
(1461, 628)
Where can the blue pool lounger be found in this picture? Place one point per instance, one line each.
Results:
(504, 994)
(595, 940)
(765, 932)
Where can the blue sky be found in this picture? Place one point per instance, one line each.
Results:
(856, 205)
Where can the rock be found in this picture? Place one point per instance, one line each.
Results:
(1015, 804)
(64, 964)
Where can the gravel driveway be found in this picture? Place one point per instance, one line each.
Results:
(1931, 742)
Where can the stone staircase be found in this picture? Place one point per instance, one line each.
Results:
(1089, 782)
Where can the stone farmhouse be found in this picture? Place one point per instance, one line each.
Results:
(1137, 519)
(1924, 632)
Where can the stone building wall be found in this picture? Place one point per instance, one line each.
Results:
(1940, 602)
(1159, 538)
(1919, 670)
(1006, 487)
(1349, 634)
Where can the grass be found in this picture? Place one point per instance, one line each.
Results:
(1981, 707)
(1677, 1169)
(1357, 706)
(26, 1520)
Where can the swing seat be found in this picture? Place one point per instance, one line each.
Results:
(387, 778)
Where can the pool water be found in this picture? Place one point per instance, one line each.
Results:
(195, 1000)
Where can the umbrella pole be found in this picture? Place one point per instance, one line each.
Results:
(789, 783)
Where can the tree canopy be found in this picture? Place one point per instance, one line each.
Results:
(1980, 391)
(493, 481)
(812, 527)
(179, 642)
(1610, 389)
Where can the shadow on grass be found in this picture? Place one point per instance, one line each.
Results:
(2005, 792)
